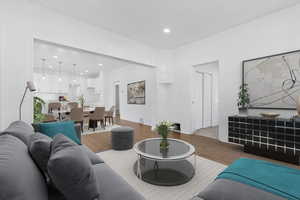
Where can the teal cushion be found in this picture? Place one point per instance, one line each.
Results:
(66, 128)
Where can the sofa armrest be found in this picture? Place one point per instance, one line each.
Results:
(196, 198)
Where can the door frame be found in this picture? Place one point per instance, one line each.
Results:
(193, 70)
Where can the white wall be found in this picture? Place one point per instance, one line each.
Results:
(17, 60)
(276, 33)
(22, 22)
(1, 71)
(132, 73)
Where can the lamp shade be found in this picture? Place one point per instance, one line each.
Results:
(31, 86)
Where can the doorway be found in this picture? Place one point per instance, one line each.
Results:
(117, 100)
(205, 99)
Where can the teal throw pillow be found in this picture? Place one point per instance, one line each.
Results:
(66, 128)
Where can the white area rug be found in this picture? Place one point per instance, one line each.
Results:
(108, 128)
(122, 163)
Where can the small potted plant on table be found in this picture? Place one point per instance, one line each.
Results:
(163, 128)
(38, 104)
(81, 100)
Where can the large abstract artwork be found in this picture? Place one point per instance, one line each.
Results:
(273, 81)
(136, 93)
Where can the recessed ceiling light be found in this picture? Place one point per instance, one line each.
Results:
(100, 64)
(86, 71)
(50, 66)
(55, 57)
(167, 30)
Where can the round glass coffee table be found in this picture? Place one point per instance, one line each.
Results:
(164, 167)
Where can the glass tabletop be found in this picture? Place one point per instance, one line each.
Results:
(177, 149)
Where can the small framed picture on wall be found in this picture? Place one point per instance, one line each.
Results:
(136, 93)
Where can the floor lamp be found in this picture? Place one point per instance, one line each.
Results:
(31, 87)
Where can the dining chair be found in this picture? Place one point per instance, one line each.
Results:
(76, 115)
(97, 115)
(54, 106)
(110, 115)
(86, 111)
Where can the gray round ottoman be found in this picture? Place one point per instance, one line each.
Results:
(122, 138)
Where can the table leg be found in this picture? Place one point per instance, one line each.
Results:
(156, 168)
(139, 173)
(195, 162)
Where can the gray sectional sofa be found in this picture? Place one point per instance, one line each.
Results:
(20, 178)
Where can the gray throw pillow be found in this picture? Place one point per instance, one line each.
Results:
(39, 146)
(94, 158)
(19, 129)
(20, 179)
(71, 170)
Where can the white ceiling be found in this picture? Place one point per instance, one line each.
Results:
(144, 20)
(69, 56)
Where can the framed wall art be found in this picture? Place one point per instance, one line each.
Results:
(273, 81)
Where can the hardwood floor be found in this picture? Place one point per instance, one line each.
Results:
(206, 147)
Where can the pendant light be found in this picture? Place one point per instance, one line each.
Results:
(74, 73)
(59, 71)
(43, 68)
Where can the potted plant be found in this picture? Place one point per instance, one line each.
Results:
(38, 104)
(243, 98)
(81, 100)
(163, 128)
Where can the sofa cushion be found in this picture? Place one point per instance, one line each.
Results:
(66, 128)
(228, 190)
(94, 158)
(36, 127)
(19, 176)
(54, 193)
(19, 129)
(108, 180)
(71, 170)
(40, 148)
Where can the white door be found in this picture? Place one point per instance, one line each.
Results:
(197, 100)
(202, 100)
(208, 101)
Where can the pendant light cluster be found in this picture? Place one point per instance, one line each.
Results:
(59, 74)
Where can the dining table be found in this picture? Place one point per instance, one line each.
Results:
(66, 111)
